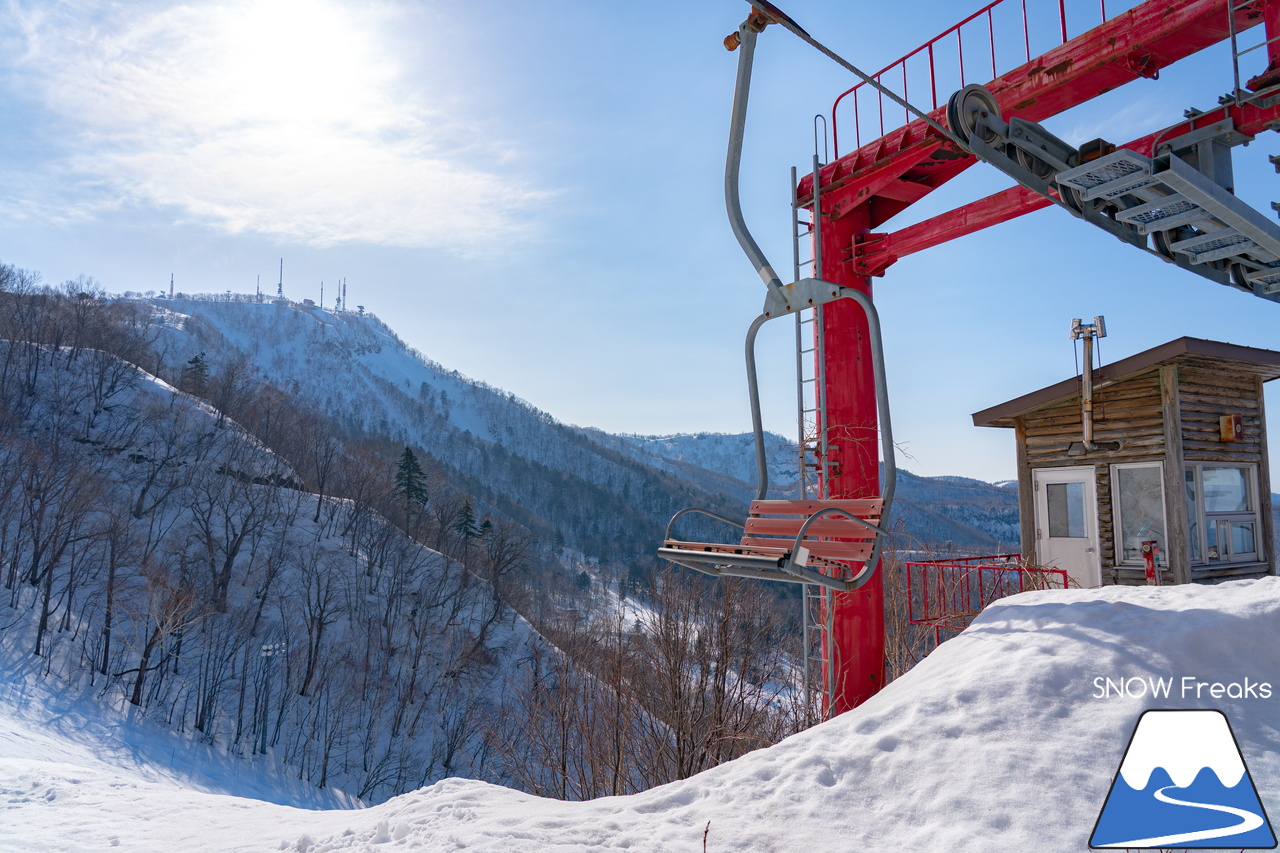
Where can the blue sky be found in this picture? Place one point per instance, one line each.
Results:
(532, 195)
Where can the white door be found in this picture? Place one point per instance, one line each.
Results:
(1067, 523)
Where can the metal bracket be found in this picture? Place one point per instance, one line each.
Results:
(1040, 143)
(805, 293)
(1257, 228)
(1223, 131)
(1131, 196)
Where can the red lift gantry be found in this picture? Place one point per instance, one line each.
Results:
(1173, 187)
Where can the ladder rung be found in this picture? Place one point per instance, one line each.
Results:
(1256, 46)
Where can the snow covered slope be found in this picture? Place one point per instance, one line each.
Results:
(156, 556)
(731, 455)
(999, 741)
(608, 495)
(515, 460)
(47, 723)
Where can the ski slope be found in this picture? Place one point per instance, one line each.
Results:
(998, 741)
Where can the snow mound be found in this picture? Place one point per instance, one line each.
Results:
(1000, 740)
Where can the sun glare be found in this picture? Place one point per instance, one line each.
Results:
(299, 62)
(294, 118)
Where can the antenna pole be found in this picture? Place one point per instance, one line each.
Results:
(280, 286)
(1088, 331)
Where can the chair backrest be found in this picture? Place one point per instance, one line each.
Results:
(776, 523)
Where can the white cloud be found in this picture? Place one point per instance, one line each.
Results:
(280, 117)
(1119, 126)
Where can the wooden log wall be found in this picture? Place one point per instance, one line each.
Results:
(1128, 412)
(1133, 412)
(1205, 392)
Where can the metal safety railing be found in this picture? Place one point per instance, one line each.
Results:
(940, 63)
(1238, 94)
(948, 594)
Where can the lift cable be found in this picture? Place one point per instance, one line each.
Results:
(776, 15)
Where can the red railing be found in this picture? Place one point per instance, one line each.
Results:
(936, 55)
(948, 594)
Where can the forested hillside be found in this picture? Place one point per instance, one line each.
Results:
(279, 529)
(510, 459)
(607, 496)
(152, 546)
(225, 560)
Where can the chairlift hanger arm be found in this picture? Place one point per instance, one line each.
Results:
(778, 17)
(733, 158)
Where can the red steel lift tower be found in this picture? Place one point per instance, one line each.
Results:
(1169, 193)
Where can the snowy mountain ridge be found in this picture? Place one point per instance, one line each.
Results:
(523, 462)
(518, 462)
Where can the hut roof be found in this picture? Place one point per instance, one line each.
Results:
(1192, 352)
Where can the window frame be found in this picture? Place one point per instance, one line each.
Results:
(1117, 521)
(1203, 518)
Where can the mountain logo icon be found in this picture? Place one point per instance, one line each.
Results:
(1183, 783)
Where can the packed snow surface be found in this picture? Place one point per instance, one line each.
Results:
(1006, 738)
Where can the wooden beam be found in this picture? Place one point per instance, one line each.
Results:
(1264, 489)
(1177, 524)
(1026, 496)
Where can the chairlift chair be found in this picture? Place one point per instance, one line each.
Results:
(796, 541)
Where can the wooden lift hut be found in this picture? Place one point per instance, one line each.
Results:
(1176, 455)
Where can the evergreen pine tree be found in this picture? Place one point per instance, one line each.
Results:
(411, 482)
(466, 524)
(195, 375)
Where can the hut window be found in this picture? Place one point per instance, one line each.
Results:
(1139, 506)
(1222, 510)
(1066, 510)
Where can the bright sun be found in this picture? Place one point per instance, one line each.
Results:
(297, 62)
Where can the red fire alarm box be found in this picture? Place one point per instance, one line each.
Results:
(1150, 554)
(1230, 427)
